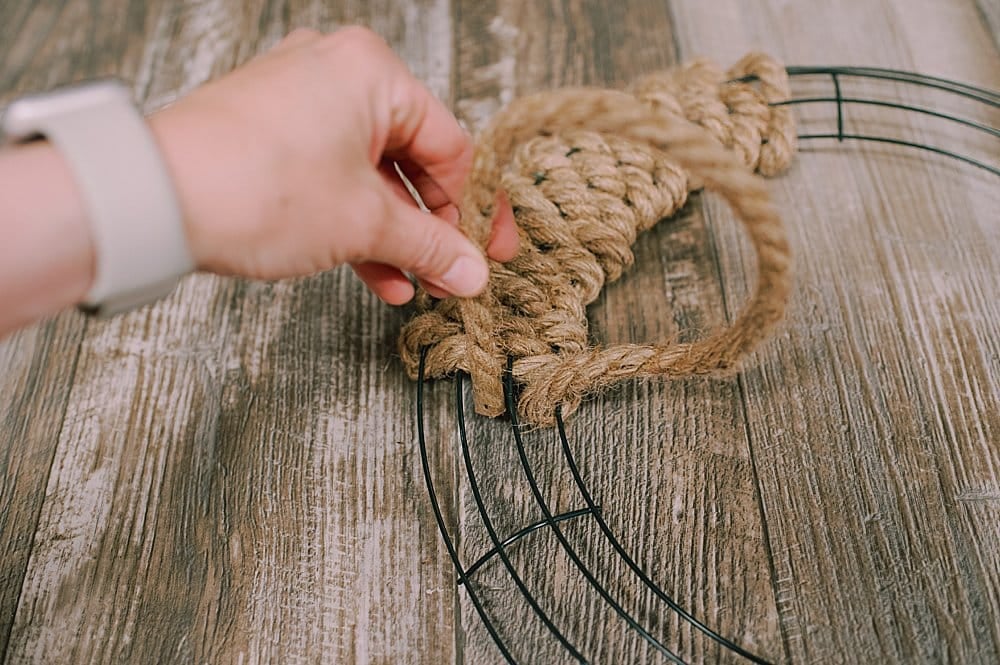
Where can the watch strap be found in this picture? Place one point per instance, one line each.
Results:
(135, 219)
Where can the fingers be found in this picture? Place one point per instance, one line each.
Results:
(425, 134)
(393, 287)
(503, 244)
(431, 195)
(429, 248)
(390, 284)
(504, 240)
(430, 192)
(386, 282)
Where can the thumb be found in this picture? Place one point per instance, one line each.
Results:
(431, 249)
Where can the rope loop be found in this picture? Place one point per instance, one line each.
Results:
(586, 171)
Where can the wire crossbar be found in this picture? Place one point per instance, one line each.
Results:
(973, 93)
(591, 511)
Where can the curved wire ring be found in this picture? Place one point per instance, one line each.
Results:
(979, 95)
(550, 520)
(976, 94)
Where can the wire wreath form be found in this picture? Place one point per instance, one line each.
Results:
(502, 544)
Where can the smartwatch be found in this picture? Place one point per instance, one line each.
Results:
(135, 219)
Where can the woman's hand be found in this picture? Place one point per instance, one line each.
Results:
(285, 167)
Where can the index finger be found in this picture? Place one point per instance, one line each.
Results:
(426, 133)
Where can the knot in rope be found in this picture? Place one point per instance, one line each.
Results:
(586, 171)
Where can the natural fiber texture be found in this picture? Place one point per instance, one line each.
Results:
(586, 170)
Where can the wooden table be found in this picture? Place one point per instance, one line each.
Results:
(232, 475)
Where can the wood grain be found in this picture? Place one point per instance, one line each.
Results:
(230, 481)
(646, 451)
(231, 475)
(38, 365)
(873, 417)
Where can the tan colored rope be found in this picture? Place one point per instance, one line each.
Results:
(586, 170)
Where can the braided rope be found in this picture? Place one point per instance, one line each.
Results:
(586, 171)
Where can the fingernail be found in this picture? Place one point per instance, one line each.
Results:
(466, 276)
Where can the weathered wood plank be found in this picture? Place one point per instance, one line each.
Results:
(235, 478)
(37, 367)
(668, 463)
(233, 471)
(40, 47)
(873, 417)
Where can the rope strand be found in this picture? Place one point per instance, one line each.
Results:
(586, 171)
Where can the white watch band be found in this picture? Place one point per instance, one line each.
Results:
(135, 219)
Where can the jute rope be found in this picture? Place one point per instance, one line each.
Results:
(586, 170)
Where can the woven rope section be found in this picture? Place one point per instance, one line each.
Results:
(587, 171)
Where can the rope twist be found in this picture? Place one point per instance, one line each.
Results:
(586, 171)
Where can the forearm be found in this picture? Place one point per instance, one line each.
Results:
(46, 253)
(285, 167)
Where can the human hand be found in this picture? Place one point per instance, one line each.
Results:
(285, 167)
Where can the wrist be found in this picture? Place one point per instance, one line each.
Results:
(203, 156)
(54, 264)
(180, 158)
(128, 200)
(70, 235)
